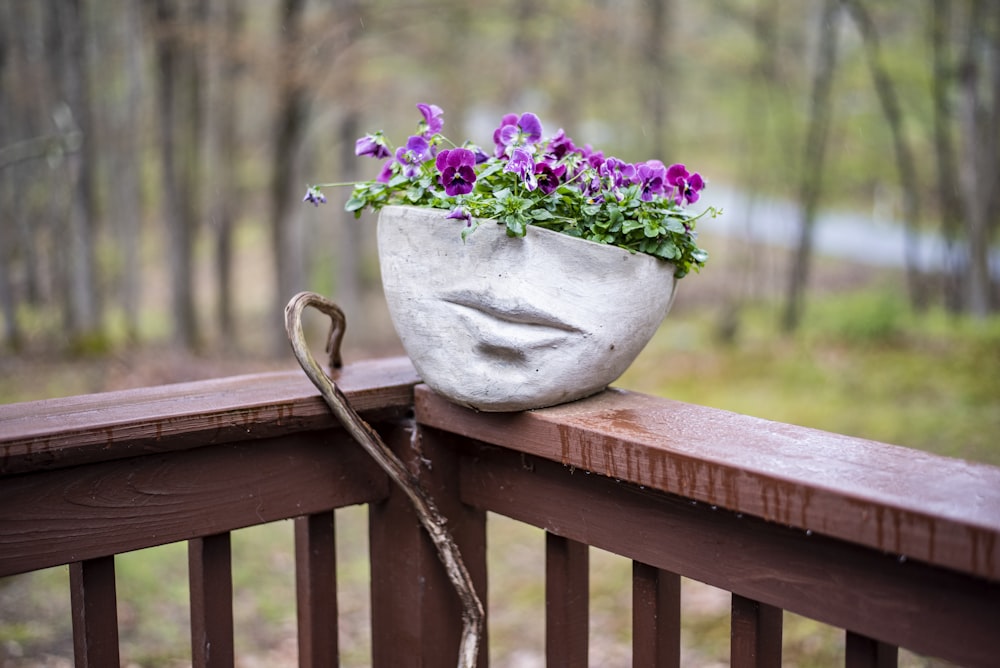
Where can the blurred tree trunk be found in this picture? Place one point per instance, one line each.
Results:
(656, 39)
(226, 123)
(810, 186)
(904, 154)
(125, 156)
(351, 235)
(8, 243)
(290, 124)
(178, 100)
(979, 123)
(949, 202)
(85, 327)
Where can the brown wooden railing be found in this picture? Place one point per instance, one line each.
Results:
(899, 548)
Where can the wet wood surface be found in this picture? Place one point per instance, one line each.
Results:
(905, 502)
(111, 425)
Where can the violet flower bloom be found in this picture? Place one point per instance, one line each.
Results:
(385, 174)
(412, 155)
(433, 121)
(314, 196)
(372, 145)
(686, 185)
(515, 131)
(617, 173)
(461, 213)
(560, 145)
(651, 176)
(457, 175)
(522, 164)
(548, 177)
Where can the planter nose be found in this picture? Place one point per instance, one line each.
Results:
(508, 324)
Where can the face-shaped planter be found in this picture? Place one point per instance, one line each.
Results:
(509, 324)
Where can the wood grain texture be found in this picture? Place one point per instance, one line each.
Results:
(55, 433)
(930, 610)
(939, 510)
(60, 516)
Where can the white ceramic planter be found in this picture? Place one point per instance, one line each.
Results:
(510, 324)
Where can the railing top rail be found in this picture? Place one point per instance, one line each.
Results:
(940, 510)
(54, 433)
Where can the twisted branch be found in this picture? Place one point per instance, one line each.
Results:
(433, 522)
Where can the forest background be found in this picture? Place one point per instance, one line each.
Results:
(153, 155)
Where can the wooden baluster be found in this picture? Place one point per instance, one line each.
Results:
(95, 612)
(567, 601)
(755, 634)
(416, 614)
(864, 652)
(316, 589)
(211, 583)
(656, 617)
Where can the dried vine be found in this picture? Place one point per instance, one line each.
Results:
(433, 522)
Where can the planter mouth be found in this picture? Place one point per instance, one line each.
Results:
(508, 324)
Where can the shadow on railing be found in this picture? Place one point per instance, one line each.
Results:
(897, 547)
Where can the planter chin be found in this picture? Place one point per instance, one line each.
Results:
(498, 323)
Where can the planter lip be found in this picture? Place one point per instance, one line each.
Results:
(532, 229)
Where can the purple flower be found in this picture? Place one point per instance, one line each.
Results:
(522, 164)
(372, 145)
(548, 177)
(314, 196)
(617, 173)
(461, 213)
(457, 175)
(385, 174)
(686, 185)
(412, 155)
(515, 131)
(432, 119)
(651, 176)
(560, 145)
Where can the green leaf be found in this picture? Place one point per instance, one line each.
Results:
(355, 204)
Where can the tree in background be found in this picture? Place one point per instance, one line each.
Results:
(204, 119)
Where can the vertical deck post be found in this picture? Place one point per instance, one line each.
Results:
(316, 590)
(656, 617)
(211, 583)
(95, 612)
(755, 634)
(567, 599)
(416, 614)
(864, 652)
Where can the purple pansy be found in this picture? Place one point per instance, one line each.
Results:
(385, 174)
(372, 145)
(560, 145)
(548, 177)
(461, 213)
(412, 155)
(456, 167)
(516, 131)
(433, 121)
(686, 185)
(522, 164)
(651, 176)
(314, 196)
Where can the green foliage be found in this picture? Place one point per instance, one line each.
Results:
(549, 183)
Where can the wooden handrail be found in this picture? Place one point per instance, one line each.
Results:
(916, 505)
(69, 431)
(896, 546)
